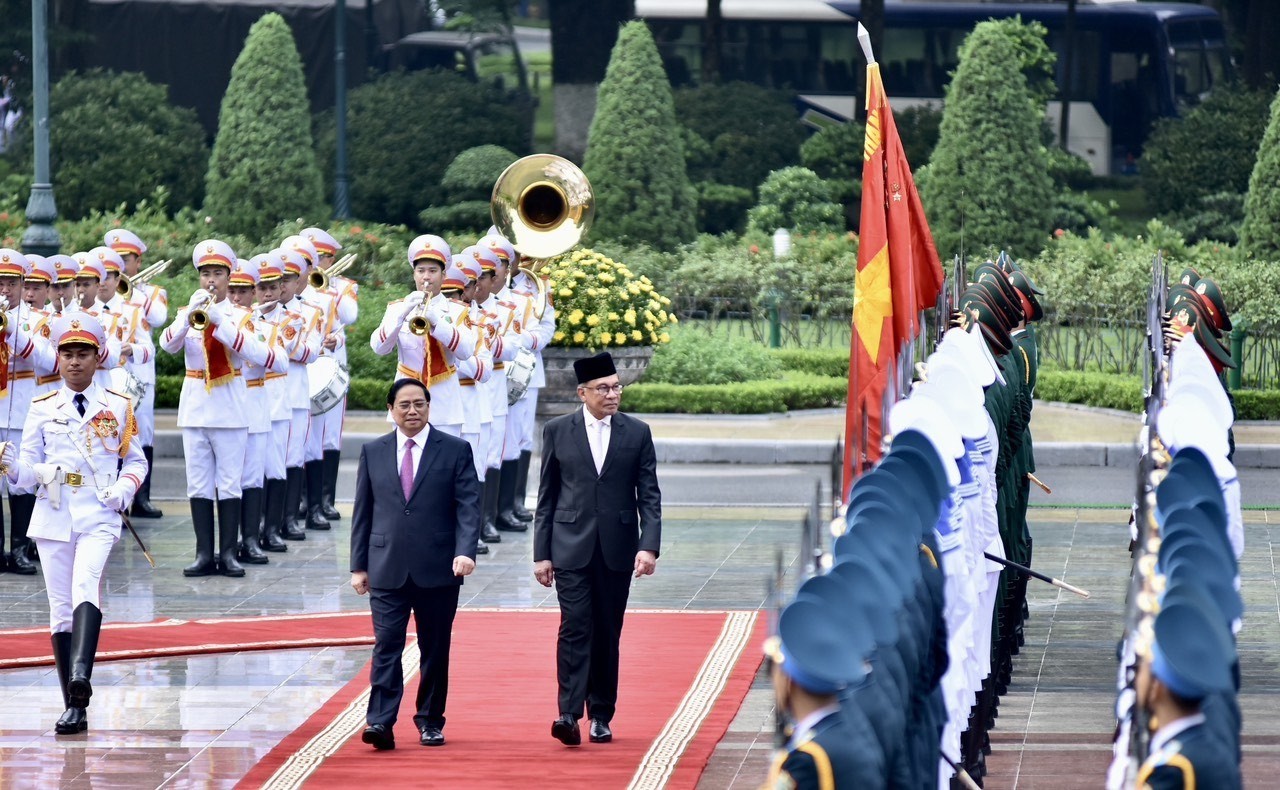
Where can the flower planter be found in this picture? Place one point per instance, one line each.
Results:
(560, 396)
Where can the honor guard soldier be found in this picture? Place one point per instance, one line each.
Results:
(343, 312)
(429, 334)
(24, 354)
(79, 451)
(292, 337)
(242, 293)
(153, 303)
(816, 655)
(536, 317)
(62, 292)
(216, 338)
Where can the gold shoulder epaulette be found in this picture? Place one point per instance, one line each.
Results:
(45, 396)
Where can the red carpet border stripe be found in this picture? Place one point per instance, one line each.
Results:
(656, 767)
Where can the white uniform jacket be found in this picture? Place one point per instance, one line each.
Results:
(454, 340)
(220, 404)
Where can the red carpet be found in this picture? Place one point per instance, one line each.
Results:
(30, 647)
(683, 677)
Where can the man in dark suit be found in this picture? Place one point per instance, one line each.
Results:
(599, 520)
(413, 537)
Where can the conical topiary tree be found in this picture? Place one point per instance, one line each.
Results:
(635, 158)
(1260, 234)
(988, 178)
(263, 168)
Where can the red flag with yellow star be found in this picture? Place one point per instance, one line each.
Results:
(899, 275)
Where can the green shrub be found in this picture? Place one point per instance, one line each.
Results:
(1091, 389)
(469, 215)
(1215, 217)
(832, 362)
(988, 179)
(835, 152)
(797, 199)
(722, 208)
(472, 173)
(1257, 404)
(919, 128)
(793, 391)
(403, 130)
(263, 168)
(748, 132)
(115, 139)
(635, 158)
(694, 357)
(1260, 233)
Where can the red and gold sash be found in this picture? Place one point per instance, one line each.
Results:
(4, 369)
(218, 369)
(435, 365)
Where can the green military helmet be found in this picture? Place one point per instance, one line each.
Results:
(976, 310)
(1008, 307)
(1028, 291)
(1215, 305)
(1189, 277)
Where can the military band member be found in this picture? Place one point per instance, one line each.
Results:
(431, 357)
(344, 310)
(62, 292)
(79, 451)
(537, 319)
(303, 454)
(477, 427)
(213, 409)
(25, 354)
(241, 292)
(153, 302)
(128, 324)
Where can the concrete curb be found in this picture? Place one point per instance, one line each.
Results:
(802, 452)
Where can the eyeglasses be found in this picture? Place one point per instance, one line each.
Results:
(604, 390)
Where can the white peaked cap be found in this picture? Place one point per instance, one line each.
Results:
(1209, 395)
(926, 416)
(959, 344)
(975, 336)
(1184, 423)
(948, 387)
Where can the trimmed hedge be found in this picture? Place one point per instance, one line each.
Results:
(793, 391)
(830, 362)
(1091, 389)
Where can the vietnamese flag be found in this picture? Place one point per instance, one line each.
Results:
(899, 275)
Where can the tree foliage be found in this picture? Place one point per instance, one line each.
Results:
(797, 199)
(988, 181)
(264, 168)
(749, 131)
(1260, 233)
(115, 140)
(403, 130)
(635, 157)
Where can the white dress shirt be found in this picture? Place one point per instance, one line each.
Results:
(418, 441)
(598, 432)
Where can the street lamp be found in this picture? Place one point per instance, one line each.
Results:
(41, 237)
(341, 196)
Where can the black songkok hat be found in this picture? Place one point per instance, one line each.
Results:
(592, 368)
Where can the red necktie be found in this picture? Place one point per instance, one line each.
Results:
(406, 470)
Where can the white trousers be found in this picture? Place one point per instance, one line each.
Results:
(73, 572)
(331, 427)
(214, 460)
(477, 440)
(145, 415)
(494, 452)
(520, 424)
(313, 450)
(296, 452)
(274, 468)
(255, 460)
(453, 429)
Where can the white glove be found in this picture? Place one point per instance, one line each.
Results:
(526, 341)
(198, 297)
(113, 498)
(432, 316)
(219, 312)
(8, 454)
(415, 298)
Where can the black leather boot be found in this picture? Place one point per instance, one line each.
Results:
(488, 508)
(21, 507)
(505, 520)
(142, 507)
(332, 460)
(86, 623)
(229, 537)
(522, 485)
(314, 471)
(73, 720)
(292, 529)
(273, 516)
(202, 523)
(300, 507)
(250, 550)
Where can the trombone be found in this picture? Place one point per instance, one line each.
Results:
(127, 284)
(543, 204)
(319, 278)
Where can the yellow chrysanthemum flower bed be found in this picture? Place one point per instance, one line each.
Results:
(600, 303)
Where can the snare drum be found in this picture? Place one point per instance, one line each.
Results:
(328, 384)
(519, 374)
(129, 385)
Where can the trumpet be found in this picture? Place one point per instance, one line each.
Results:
(418, 323)
(543, 204)
(319, 278)
(197, 318)
(127, 284)
(4, 314)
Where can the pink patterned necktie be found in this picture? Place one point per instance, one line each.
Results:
(406, 470)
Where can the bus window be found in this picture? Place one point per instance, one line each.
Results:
(840, 57)
(1133, 100)
(1087, 65)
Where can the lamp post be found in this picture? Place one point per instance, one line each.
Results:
(341, 197)
(41, 237)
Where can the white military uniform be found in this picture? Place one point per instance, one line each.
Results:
(539, 330)
(474, 374)
(153, 302)
(299, 449)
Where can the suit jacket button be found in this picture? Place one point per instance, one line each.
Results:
(406, 512)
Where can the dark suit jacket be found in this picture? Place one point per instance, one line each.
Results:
(621, 507)
(395, 540)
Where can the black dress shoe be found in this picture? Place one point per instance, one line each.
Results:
(488, 534)
(508, 524)
(565, 729)
(18, 563)
(430, 736)
(379, 737)
(600, 732)
(142, 508)
(481, 548)
(74, 720)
